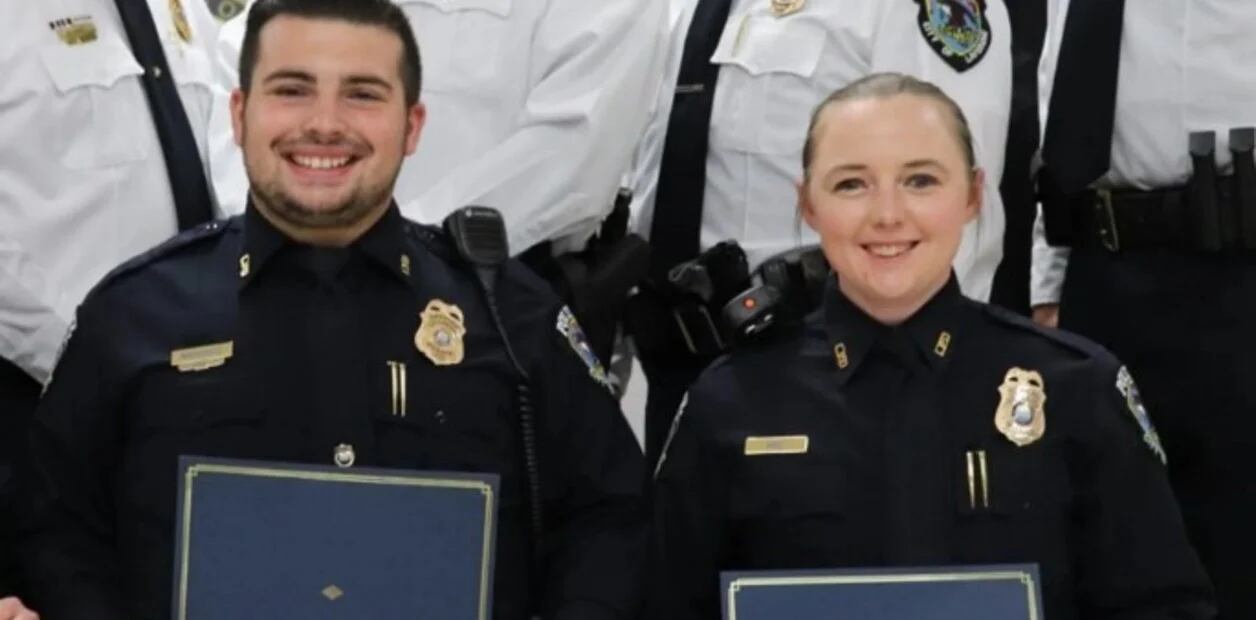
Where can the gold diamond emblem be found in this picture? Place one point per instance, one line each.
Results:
(332, 592)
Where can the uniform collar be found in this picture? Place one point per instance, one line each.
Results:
(384, 244)
(930, 333)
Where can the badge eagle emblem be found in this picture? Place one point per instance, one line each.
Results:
(441, 329)
(781, 8)
(1021, 415)
(957, 30)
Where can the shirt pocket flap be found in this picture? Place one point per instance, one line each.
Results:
(101, 63)
(1009, 481)
(500, 8)
(785, 487)
(761, 45)
(191, 66)
(195, 401)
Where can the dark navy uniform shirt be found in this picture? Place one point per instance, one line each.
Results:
(319, 339)
(847, 443)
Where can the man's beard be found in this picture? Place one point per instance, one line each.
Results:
(365, 200)
(270, 196)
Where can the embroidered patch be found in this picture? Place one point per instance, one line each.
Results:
(671, 434)
(957, 30)
(1134, 401)
(570, 329)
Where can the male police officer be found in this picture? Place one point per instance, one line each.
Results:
(539, 107)
(105, 105)
(310, 315)
(1149, 178)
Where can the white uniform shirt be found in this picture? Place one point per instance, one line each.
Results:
(83, 184)
(775, 70)
(534, 107)
(1186, 66)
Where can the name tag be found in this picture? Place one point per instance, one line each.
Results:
(780, 444)
(203, 357)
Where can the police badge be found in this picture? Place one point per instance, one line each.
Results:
(1021, 416)
(957, 30)
(781, 8)
(180, 19)
(441, 329)
(1134, 401)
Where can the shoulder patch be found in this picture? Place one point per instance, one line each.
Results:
(208, 230)
(957, 30)
(569, 328)
(671, 434)
(1134, 402)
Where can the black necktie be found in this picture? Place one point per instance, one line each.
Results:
(178, 146)
(675, 231)
(1077, 147)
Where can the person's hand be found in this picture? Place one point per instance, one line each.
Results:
(1047, 315)
(12, 609)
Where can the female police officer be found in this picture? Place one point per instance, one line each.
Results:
(906, 425)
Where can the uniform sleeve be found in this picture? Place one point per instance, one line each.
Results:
(226, 160)
(1046, 275)
(65, 524)
(593, 481)
(31, 330)
(690, 491)
(558, 172)
(1047, 267)
(1136, 562)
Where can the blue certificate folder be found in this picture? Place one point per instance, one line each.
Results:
(271, 540)
(1004, 592)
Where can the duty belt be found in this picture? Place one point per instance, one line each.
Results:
(1132, 220)
(1211, 213)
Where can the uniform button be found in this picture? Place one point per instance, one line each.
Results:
(155, 71)
(344, 455)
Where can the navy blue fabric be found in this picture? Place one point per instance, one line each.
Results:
(959, 594)
(264, 545)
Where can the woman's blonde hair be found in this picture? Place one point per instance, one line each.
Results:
(884, 86)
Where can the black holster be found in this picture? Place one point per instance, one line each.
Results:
(1210, 214)
(595, 282)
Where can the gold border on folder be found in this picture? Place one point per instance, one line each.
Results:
(198, 469)
(1024, 578)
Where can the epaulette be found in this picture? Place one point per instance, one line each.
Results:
(432, 237)
(202, 232)
(1068, 340)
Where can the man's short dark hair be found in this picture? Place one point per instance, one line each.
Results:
(382, 13)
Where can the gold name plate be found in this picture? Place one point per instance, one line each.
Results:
(202, 358)
(782, 444)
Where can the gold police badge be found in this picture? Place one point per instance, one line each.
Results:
(441, 329)
(180, 19)
(781, 8)
(1021, 416)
